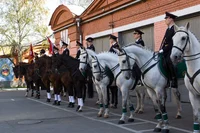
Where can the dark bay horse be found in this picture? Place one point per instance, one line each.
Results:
(72, 65)
(26, 70)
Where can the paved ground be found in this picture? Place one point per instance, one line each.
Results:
(29, 115)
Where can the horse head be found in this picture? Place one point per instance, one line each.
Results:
(126, 62)
(97, 68)
(16, 71)
(181, 43)
(84, 60)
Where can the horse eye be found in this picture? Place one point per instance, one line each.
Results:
(95, 66)
(124, 61)
(183, 38)
(83, 57)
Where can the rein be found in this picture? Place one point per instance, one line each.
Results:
(186, 43)
(191, 78)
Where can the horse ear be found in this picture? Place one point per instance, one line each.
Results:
(187, 26)
(176, 28)
(93, 57)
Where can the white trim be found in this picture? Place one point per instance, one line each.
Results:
(180, 13)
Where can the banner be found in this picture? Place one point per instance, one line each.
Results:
(6, 70)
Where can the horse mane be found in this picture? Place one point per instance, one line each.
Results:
(139, 46)
(106, 55)
(90, 52)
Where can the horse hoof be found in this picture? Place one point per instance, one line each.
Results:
(80, 110)
(106, 116)
(136, 111)
(140, 112)
(26, 95)
(48, 100)
(121, 122)
(77, 108)
(155, 117)
(72, 105)
(55, 103)
(31, 95)
(165, 130)
(58, 103)
(178, 117)
(130, 120)
(157, 129)
(99, 115)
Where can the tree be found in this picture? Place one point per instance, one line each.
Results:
(82, 3)
(21, 21)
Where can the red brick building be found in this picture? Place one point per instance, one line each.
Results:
(120, 17)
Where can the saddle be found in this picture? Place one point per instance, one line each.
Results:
(110, 75)
(180, 68)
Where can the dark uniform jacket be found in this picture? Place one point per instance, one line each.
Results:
(78, 54)
(66, 51)
(140, 41)
(91, 47)
(167, 43)
(114, 46)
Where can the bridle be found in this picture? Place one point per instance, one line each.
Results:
(186, 43)
(86, 61)
(128, 57)
(102, 71)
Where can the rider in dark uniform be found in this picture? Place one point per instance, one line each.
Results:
(90, 43)
(55, 51)
(114, 43)
(113, 89)
(137, 34)
(89, 71)
(166, 47)
(78, 44)
(136, 72)
(65, 49)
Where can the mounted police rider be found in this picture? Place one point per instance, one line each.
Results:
(137, 35)
(42, 53)
(113, 89)
(55, 51)
(65, 49)
(78, 44)
(114, 43)
(89, 42)
(166, 47)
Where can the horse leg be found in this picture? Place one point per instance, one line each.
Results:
(65, 91)
(195, 102)
(55, 94)
(79, 87)
(112, 96)
(142, 97)
(105, 100)
(27, 90)
(108, 94)
(100, 101)
(161, 99)
(115, 89)
(124, 92)
(84, 92)
(177, 96)
(153, 97)
(71, 96)
(138, 100)
(48, 91)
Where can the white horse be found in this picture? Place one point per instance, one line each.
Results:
(187, 46)
(100, 65)
(155, 83)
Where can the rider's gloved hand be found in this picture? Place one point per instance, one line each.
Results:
(161, 51)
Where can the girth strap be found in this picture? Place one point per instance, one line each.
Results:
(148, 69)
(191, 79)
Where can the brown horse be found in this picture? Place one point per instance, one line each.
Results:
(26, 70)
(71, 64)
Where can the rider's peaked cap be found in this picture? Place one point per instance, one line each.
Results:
(113, 37)
(42, 51)
(167, 14)
(79, 44)
(64, 44)
(89, 39)
(138, 31)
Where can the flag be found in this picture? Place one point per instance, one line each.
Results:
(31, 55)
(50, 46)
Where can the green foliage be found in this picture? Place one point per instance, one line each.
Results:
(21, 21)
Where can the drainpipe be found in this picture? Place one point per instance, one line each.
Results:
(78, 22)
